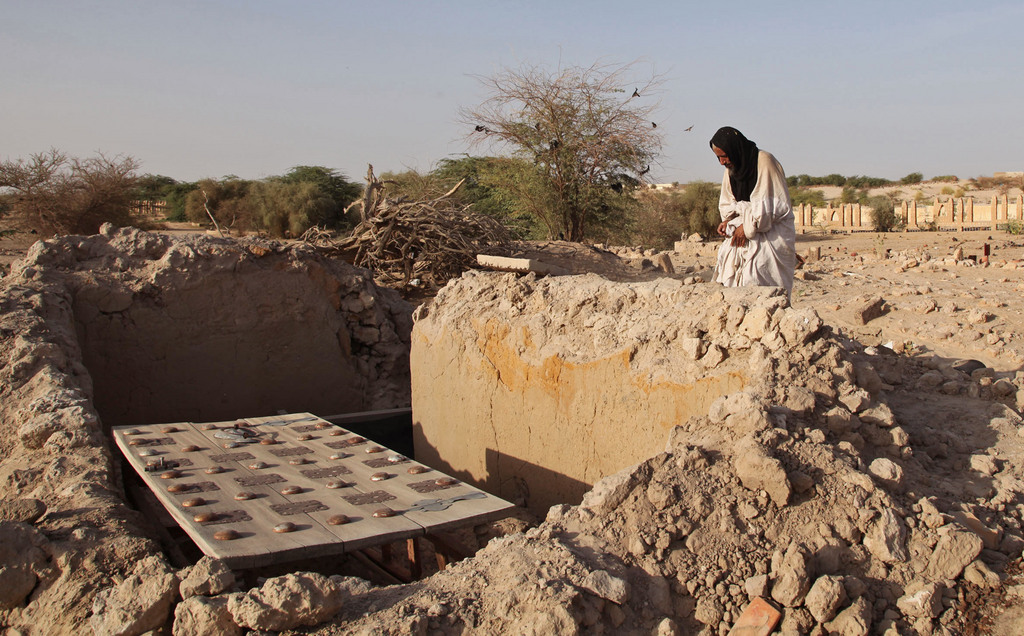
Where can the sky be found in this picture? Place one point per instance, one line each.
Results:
(254, 87)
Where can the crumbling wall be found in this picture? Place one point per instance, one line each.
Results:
(206, 329)
(536, 389)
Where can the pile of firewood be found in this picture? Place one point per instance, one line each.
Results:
(422, 243)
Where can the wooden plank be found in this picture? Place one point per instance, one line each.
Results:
(300, 451)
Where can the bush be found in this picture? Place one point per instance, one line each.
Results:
(699, 208)
(913, 177)
(801, 196)
(225, 200)
(52, 193)
(883, 215)
(286, 210)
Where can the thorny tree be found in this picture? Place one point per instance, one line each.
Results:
(54, 194)
(589, 131)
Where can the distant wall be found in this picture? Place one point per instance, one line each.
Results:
(960, 213)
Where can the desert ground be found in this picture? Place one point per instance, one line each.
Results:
(873, 482)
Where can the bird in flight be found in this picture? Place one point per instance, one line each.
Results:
(654, 125)
(688, 129)
(482, 129)
(636, 92)
(645, 170)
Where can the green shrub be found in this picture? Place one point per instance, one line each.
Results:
(883, 216)
(801, 196)
(913, 177)
(286, 210)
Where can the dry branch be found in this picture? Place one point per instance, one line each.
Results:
(433, 240)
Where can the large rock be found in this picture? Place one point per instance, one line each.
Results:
(22, 561)
(793, 580)
(207, 577)
(757, 470)
(852, 621)
(825, 597)
(201, 616)
(953, 552)
(140, 603)
(921, 599)
(26, 510)
(886, 538)
(286, 602)
(609, 587)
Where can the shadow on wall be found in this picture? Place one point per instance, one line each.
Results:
(510, 478)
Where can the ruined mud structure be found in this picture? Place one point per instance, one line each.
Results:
(702, 447)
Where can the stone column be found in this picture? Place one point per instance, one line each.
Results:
(970, 210)
(994, 215)
(856, 215)
(912, 219)
(905, 215)
(1020, 207)
(936, 210)
(1006, 207)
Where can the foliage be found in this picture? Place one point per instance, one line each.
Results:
(803, 180)
(951, 178)
(699, 207)
(913, 177)
(1015, 226)
(506, 188)
(802, 196)
(583, 129)
(155, 187)
(850, 195)
(176, 197)
(331, 184)
(152, 187)
(53, 193)
(224, 199)
(883, 216)
(285, 209)
(946, 190)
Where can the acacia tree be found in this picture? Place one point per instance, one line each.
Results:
(56, 194)
(588, 131)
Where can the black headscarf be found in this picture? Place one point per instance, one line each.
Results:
(742, 154)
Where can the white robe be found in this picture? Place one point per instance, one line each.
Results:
(769, 257)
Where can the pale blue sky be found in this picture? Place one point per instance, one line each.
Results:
(254, 87)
